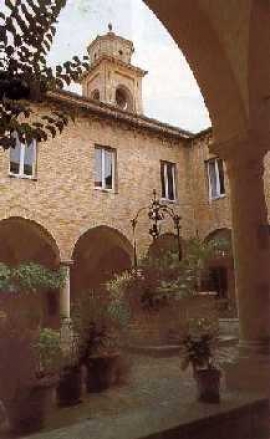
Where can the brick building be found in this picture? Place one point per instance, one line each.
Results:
(70, 201)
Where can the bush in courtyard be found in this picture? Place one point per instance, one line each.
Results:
(159, 280)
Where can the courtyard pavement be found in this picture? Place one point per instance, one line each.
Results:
(152, 388)
(152, 384)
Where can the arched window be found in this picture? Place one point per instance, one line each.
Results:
(123, 99)
(95, 95)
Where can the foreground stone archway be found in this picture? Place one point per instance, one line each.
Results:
(227, 45)
(193, 27)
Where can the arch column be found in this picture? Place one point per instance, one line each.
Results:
(251, 241)
(65, 291)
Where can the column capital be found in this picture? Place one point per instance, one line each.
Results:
(249, 147)
(242, 154)
(67, 263)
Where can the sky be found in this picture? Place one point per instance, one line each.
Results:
(170, 92)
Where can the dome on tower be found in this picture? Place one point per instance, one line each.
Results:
(111, 45)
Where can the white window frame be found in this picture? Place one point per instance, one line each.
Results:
(166, 181)
(21, 173)
(105, 149)
(217, 176)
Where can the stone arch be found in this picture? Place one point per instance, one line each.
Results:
(222, 232)
(192, 28)
(24, 240)
(95, 94)
(259, 68)
(220, 273)
(98, 254)
(124, 98)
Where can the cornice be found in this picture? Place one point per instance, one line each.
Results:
(116, 61)
(115, 114)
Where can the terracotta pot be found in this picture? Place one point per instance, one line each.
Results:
(208, 384)
(101, 372)
(69, 389)
(28, 411)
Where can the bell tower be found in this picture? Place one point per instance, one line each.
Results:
(112, 78)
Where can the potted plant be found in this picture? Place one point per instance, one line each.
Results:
(198, 344)
(32, 379)
(69, 389)
(97, 322)
(102, 358)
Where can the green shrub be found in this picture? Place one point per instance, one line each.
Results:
(30, 277)
(5, 277)
(49, 353)
(198, 344)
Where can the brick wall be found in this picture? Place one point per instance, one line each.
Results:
(209, 215)
(63, 199)
(165, 326)
(215, 214)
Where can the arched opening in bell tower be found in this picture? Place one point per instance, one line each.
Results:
(123, 98)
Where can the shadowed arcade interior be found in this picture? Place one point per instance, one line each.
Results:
(99, 254)
(220, 274)
(25, 241)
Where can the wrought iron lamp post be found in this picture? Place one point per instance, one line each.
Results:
(157, 212)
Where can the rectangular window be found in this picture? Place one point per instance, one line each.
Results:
(23, 159)
(216, 178)
(105, 159)
(168, 180)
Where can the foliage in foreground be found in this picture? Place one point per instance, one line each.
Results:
(27, 30)
(27, 355)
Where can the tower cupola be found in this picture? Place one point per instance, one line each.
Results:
(112, 78)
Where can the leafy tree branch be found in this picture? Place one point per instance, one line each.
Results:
(27, 29)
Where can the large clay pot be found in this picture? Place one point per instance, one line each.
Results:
(69, 389)
(208, 384)
(101, 372)
(27, 413)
